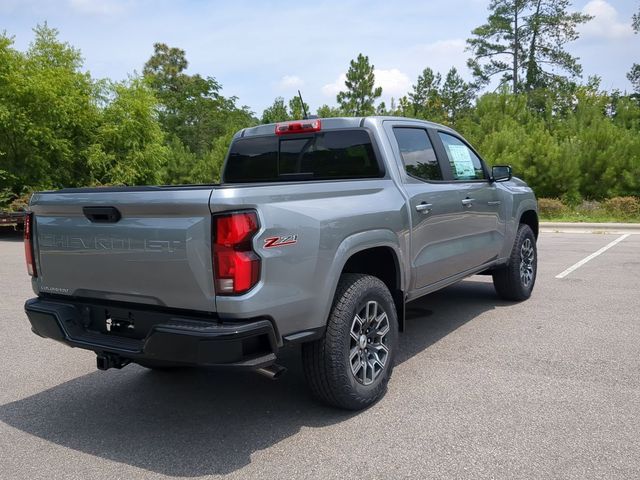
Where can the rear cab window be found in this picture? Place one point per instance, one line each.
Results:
(325, 155)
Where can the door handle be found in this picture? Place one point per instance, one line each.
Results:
(494, 203)
(468, 202)
(424, 207)
(102, 214)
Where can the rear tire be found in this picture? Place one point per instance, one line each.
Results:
(350, 366)
(515, 281)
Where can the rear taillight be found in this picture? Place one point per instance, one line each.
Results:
(299, 126)
(28, 245)
(236, 266)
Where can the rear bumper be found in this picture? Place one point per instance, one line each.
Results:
(155, 336)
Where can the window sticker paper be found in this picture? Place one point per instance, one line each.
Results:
(462, 161)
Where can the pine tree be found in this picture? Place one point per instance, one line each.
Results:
(325, 111)
(524, 42)
(425, 97)
(456, 94)
(277, 112)
(634, 73)
(361, 94)
(295, 107)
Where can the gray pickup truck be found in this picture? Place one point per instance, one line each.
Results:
(319, 233)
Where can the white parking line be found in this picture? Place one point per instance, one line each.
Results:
(592, 256)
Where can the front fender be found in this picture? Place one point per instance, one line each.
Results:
(520, 205)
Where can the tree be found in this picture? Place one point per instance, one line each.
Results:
(191, 111)
(404, 107)
(456, 95)
(325, 111)
(48, 113)
(129, 143)
(181, 163)
(191, 107)
(497, 46)
(425, 96)
(634, 77)
(277, 112)
(634, 73)
(579, 151)
(550, 27)
(381, 109)
(524, 42)
(296, 110)
(361, 94)
(61, 128)
(187, 102)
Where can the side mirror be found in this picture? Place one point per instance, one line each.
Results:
(501, 173)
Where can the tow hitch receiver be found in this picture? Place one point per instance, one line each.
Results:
(113, 324)
(105, 361)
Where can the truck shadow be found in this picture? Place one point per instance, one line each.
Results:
(198, 422)
(9, 234)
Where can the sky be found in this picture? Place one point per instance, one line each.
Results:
(259, 50)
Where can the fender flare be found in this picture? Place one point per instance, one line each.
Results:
(359, 242)
(512, 226)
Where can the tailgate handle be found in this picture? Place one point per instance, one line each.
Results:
(102, 214)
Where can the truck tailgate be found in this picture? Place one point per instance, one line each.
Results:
(158, 252)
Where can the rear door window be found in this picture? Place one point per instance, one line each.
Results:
(336, 154)
(417, 153)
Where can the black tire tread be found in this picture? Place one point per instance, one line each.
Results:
(506, 280)
(323, 365)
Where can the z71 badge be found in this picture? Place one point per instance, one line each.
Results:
(283, 241)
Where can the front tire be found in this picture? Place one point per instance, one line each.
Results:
(350, 366)
(515, 281)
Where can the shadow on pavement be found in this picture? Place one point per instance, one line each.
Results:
(191, 423)
(9, 234)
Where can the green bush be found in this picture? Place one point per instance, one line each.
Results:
(20, 203)
(551, 207)
(572, 199)
(588, 149)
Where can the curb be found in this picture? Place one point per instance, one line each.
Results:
(570, 227)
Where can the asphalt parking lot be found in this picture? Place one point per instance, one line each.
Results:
(548, 388)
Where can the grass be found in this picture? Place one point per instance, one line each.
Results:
(588, 218)
(612, 210)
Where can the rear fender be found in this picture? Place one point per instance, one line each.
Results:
(357, 243)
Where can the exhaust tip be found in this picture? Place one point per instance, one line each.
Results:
(273, 372)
